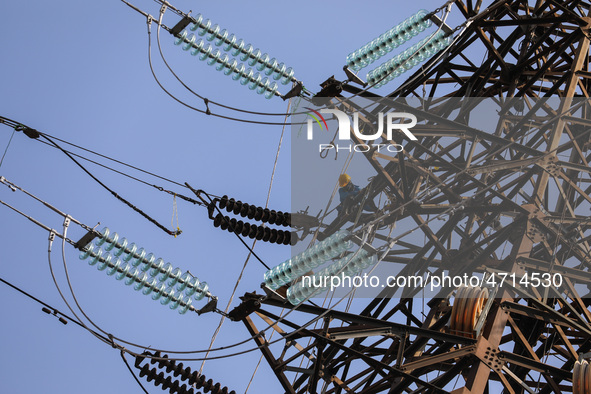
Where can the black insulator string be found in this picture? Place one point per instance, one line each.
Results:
(211, 203)
(202, 202)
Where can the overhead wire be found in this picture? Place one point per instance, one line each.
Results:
(7, 146)
(293, 308)
(288, 312)
(51, 308)
(165, 5)
(70, 155)
(78, 323)
(205, 99)
(16, 125)
(112, 159)
(206, 112)
(122, 352)
(222, 319)
(116, 195)
(13, 125)
(159, 188)
(68, 318)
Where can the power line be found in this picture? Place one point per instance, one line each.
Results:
(206, 112)
(115, 160)
(205, 99)
(7, 146)
(34, 134)
(48, 308)
(71, 154)
(117, 196)
(51, 308)
(131, 372)
(292, 309)
(16, 126)
(159, 188)
(253, 245)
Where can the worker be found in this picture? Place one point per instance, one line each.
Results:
(348, 191)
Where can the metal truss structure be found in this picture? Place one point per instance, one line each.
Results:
(515, 201)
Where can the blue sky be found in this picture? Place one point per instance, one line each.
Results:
(79, 71)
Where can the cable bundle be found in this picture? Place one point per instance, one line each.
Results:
(262, 81)
(177, 370)
(148, 274)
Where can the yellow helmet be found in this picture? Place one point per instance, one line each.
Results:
(344, 180)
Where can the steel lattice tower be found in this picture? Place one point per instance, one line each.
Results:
(524, 209)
